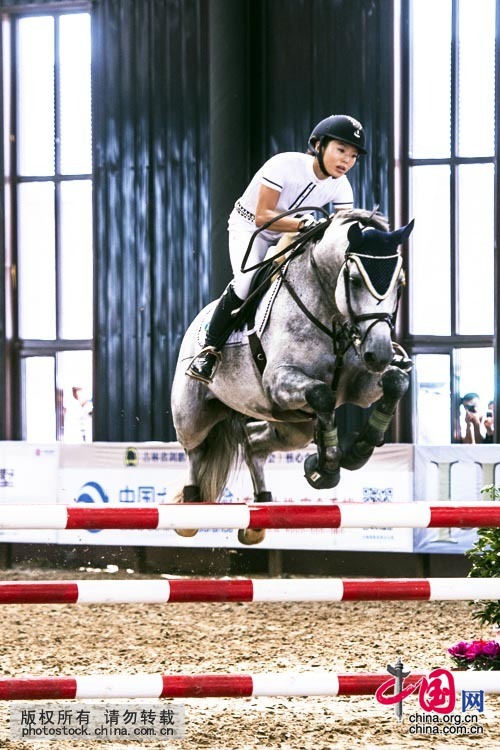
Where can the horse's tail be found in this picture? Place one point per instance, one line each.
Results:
(222, 451)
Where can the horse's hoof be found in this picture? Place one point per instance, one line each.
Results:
(191, 494)
(264, 497)
(320, 479)
(395, 383)
(186, 532)
(251, 536)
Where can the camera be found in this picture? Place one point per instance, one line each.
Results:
(471, 408)
(489, 414)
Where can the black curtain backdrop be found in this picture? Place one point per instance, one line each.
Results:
(189, 98)
(151, 167)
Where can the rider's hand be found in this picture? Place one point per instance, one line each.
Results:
(307, 222)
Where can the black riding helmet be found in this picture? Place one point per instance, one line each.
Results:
(340, 128)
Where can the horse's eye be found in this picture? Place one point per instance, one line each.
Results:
(355, 282)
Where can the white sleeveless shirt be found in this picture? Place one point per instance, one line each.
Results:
(292, 175)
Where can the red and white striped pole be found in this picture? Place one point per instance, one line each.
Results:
(252, 516)
(248, 590)
(221, 685)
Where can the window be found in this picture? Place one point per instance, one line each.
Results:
(451, 193)
(48, 170)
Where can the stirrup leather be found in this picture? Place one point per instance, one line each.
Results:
(192, 370)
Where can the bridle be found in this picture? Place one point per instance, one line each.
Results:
(347, 333)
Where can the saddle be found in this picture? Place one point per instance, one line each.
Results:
(252, 317)
(261, 283)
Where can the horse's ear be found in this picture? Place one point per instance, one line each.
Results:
(355, 236)
(405, 232)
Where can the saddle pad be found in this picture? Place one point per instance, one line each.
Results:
(238, 338)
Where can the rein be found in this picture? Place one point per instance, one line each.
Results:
(297, 244)
(293, 294)
(341, 336)
(295, 248)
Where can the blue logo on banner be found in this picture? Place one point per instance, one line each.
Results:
(91, 492)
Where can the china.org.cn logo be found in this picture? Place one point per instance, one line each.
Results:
(436, 691)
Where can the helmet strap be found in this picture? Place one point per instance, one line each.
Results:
(319, 155)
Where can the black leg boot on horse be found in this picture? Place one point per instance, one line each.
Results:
(358, 448)
(204, 366)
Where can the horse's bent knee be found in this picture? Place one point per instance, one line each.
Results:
(320, 398)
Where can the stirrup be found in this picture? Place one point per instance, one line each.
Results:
(206, 371)
(401, 358)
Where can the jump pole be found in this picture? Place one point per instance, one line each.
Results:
(221, 685)
(248, 590)
(414, 515)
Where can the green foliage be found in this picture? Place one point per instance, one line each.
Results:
(485, 558)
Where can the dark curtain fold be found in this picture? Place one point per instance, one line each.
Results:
(313, 58)
(150, 131)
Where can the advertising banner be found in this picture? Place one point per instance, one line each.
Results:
(123, 475)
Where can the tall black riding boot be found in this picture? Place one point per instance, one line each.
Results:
(204, 366)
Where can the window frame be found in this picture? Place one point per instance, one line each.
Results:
(440, 344)
(18, 350)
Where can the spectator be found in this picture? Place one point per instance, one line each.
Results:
(78, 409)
(473, 418)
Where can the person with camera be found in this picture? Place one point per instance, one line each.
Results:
(473, 419)
(489, 423)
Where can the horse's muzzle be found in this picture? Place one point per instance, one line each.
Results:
(377, 362)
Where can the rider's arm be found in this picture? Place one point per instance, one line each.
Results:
(266, 210)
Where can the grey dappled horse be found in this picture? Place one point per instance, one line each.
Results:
(327, 342)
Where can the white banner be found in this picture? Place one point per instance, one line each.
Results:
(122, 475)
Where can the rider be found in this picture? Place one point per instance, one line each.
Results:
(286, 181)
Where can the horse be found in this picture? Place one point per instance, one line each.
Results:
(326, 341)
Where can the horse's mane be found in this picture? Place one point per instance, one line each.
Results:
(367, 218)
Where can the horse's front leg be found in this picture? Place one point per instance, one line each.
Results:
(322, 470)
(293, 389)
(358, 448)
(262, 439)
